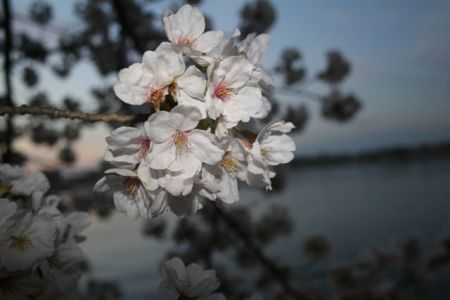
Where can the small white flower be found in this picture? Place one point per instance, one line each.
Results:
(271, 148)
(161, 72)
(127, 145)
(186, 27)
(226, 173)
(178, 146)
(15, 180)
(231, 94)
(130, 195)
(26, 239)
(190, 282)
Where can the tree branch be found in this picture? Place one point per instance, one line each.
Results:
(270, 266)
(58, 113)
(7, 70)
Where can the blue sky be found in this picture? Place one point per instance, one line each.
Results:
(400, 54)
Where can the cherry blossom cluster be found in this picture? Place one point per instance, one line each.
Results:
(204, 88)
(39, 253)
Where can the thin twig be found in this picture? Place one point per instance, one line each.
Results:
(303, 93)
(7, 69)
(267, 263)
(58, 113)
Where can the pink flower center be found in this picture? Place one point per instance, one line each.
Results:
(156, 97)
(186, 40)
(222, 91)
(144, 147)
(181, 141)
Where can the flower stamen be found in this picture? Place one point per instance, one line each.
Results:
(222, 92)
(132, 185)
(21, 242)
(229, 164)
(181, 141)
(144, 147)
(156, 97)
(186, 40)
(265, 152)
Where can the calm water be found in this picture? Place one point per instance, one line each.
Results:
(355, 206)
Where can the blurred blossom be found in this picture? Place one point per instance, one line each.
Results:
(316, 247)
(190, 282)
(39, 252)
(337, 69)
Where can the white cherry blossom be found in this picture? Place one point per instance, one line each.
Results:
(227, 172)
(178, 146)
(271, 148)
(25, 239)
(130, 195)
(190, 282)
(230, 93)
(161, 72)
(17, 181)
(186, 27)
(127, 145)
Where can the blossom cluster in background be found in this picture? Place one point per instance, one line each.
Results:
(205, 88)
(39, 253)
(188, 282)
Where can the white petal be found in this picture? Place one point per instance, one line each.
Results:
(186, 100)
(162, 156)
(133, 84)
(188, 22)
(235, 71)
(205, 147)
(185, 118)
(207, 41)
(159, 126)
(192, 83)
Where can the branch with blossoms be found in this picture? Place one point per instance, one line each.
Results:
(59, 113)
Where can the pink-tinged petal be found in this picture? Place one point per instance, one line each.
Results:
(207, 41)
(205, 147)
(159, 126)
(184, 26)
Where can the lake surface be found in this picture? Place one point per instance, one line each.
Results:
(355, 206)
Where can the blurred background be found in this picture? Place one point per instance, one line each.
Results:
(363, 212)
